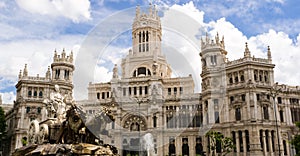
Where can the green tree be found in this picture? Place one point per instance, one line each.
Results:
(219, 143)
(2, 127)
(296, 141)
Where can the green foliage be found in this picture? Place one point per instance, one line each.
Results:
(24, 141)
(2, 124)
(218, 138)
(296, 141)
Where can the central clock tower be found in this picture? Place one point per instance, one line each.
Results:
(146, 32)
(146, 58)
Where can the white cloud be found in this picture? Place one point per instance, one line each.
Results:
(8, 97)
(278, 1)
(78, 10)
(285, 54)
(234, 38)
(36, 53)
(7, 31)
(2, 4)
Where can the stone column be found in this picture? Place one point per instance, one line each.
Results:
(166, 145)
(178, 145)
(205, 145)
(244, 143)
(264, 142)
(192, 145)
(255, 148)
(143, 90)
(270, 142)
(237, 141)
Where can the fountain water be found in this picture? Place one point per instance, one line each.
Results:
(148, 144)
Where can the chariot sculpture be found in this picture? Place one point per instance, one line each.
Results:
(66, 123)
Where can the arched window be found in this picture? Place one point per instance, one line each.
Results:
(35, 93)
(266, 76)
(98, 95)
(199, 147)
(40, 94)
(39, 110)
(29, 93)
(172, 148)
(230, 80)
(141, 71)
(185, 146)
(57, 73)
(242, 78)
(27, 109)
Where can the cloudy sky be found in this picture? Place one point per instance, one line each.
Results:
(30, 31)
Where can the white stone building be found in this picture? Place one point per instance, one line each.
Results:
(235, 99)
(145, 99)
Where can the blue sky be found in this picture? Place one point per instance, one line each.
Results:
(30, 30)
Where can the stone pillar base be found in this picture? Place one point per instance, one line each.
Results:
(255, 149)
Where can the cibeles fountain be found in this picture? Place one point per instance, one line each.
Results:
(66, 130)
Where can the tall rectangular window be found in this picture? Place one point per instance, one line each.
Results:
(243, 97)
(281, 115)
(266, 113)
(257, 97)
(169, 91)
(180, 90)
(146, 90)
(175, 91)
(238, 114)
(213, 60)
(141, 90)
(279, 100)
(124, 91)
(103, 95)
(217, 119)
(134, 90)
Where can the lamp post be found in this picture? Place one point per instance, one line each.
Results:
(274, 91)
(140, 100)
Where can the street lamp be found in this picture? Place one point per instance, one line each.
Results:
(140, 100)
(274, 91)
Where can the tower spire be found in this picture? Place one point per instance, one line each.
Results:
(217, 38)
(137, 11)
(150, 10)
(269, 54)
(20, 74)
(247, 51)
(25, 71)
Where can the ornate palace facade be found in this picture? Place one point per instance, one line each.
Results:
(235, 99)
(146, 101)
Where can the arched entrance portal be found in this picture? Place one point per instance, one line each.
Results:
(132, 145)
